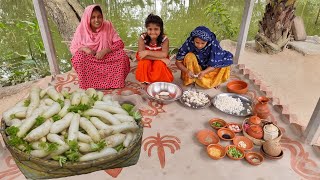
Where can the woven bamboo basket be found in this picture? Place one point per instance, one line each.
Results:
(255, 141)
(36, 168)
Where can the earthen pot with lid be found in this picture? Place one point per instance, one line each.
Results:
(261, 109)
(255, 131)
(254, 120)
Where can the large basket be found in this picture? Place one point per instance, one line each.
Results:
(36, 168)
(255, 141)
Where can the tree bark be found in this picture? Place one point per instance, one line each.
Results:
(66, 14)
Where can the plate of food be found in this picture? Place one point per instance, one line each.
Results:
(233, 104)
(195, 99)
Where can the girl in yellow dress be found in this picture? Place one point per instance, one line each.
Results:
(202, 60)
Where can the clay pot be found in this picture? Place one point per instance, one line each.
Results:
(272, 148)
(254, 120)
(261, 109)
(255, 131)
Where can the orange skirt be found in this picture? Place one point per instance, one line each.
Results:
(153, 71)
(210, 80)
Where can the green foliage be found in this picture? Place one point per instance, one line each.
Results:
(12, 131)
(220, 16)
(26, 103)
(79, 108)
(62, 159)
(39, 120)
(98, 146)
(56, 117)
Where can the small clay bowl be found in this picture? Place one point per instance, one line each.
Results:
(232, 124)
(249, 144)
(250, 156)
(237, 86)
(207, 137)
(240, 150)
(223, 132)
(210, 147)
(271, 157)
(217, 120)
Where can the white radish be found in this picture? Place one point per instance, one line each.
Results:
(40, 131)
(85, 99)
(39, 153)
(90, 129)
(75, 98)
(74, 128)
(54, 109)
(29, 122)
(36, 145)
(116, 104)
(107, 98)
(53, 94)
(16, 122)
(126, 126)
(34, 100)
(61, 149)
(98, 123)
(111, 109)
(105, 132)
(100, 95)
(103, 115)
(115, 140)
(65, 108)
(7, 114)
(107, 102)
(43, 139)
(21, 114)
(128, 139)
(124, 118)
(84, 147)
(48, 101)
(91, 92)
(84, 138)
(62, 124)
(55, 139)
(96, 155)
(43, 92)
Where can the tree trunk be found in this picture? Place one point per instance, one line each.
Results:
(275, 27)
(66, 14)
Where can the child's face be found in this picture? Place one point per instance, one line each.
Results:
(96, 20)
(153, 30)
(199, 43)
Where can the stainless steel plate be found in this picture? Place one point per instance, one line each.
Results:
(246, 102)
(195, 106)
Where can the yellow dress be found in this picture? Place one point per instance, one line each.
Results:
(210, 80)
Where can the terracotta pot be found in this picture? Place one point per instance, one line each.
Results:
(255, 131)
(254, 120)
(272, 148)
(261, 109)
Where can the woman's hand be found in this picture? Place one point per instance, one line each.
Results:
(201, 74)
(101, 54)
(190, 74)
(166, 61)
(87, 50)
(143, 54)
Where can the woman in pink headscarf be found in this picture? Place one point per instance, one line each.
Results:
(98, 55)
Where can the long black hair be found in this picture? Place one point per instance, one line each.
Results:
(154, 19)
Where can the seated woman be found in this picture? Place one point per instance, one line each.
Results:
(98, 55)
(152, 55)
(202, 60)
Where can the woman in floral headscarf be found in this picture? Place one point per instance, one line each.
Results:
(202, 60)
(98, 55)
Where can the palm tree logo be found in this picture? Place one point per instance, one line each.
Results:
(168, 141)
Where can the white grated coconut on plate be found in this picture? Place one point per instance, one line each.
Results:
(229, 104)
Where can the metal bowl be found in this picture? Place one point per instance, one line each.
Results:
(173, 91)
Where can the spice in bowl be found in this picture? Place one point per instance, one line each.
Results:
(226, 136)
(214, 152)
(234, 152)
(242, 144)
(234, 128)
(255, 160)
(216, 124)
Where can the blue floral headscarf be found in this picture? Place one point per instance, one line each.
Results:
(211, 55)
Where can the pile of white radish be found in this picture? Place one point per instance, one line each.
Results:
(81, 126)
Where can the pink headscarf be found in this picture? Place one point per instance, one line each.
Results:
(105, 36)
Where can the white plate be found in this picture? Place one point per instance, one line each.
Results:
(247, 103)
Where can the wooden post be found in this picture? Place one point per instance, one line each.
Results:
(46, 36)
(312, 132)
(246, 18)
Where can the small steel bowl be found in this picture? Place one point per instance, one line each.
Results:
(154, 89)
